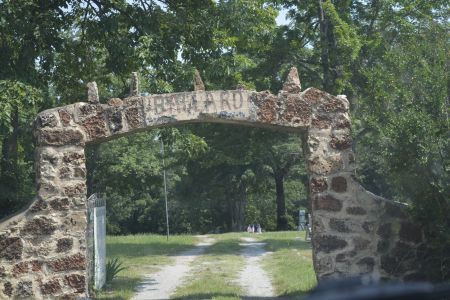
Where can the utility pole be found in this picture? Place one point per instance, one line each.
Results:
(165, 185)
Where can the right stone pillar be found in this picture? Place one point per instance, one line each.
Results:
(354, 231)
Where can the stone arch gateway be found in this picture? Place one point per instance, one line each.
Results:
(43, 249)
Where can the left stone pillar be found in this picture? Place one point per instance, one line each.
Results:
(42, 250)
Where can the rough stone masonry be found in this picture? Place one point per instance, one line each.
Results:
(43, 249)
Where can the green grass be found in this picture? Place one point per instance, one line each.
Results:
(290, 265)
(141, 254)
(214, 274)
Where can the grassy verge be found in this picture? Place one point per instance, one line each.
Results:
(141, 254)
(215, 273)
(290, 265)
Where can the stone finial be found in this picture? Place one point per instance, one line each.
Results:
(92, 92)
(292, 83)
(198, 82)
(134, 86)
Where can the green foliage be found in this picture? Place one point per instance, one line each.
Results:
(216, 181)
(113, 268)
(18, 106)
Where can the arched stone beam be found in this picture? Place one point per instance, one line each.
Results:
(43, 250)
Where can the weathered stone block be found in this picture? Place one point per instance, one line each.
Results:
(46, 171)
(325, 165)
(74, 158)
(39, 205)
(321, 121)
(47, 189)
(382, 246)
(19, 269)
(134, 117)
(2, 272)
(64, 172)
(314, 96)
(87, 110)
(76, 222)
(296, 110)
(115, 102)
(39, 226)
(410, 232)
(341, 122)
(69, 263)
(385, 230)
(76, 282)
(48, 156)
(267, 107)
(341, 141)
(366, 264)
(328, 243)
(25, 289)
(368, 226)
(327, 202)
(36, 265)
(75, 189)
(59, 204)
(95, 126)
(71, 296)
(65, 117)
(8, 289)
(360, 243)
(338, 225)
(318, 185)
(134, 101)
(346, 256)
(61, 137)
(324, 265)
(313, 144)
(318, 225)
(47, 120)
(51, 287)
(333, 104)
(64, 244)
(356, 210)
(115, 120)
(391, 264)
(339, 184)
(11, 247)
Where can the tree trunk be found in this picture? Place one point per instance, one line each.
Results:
(325, 55)
(9, 175)
(10, 155)
(282, 223)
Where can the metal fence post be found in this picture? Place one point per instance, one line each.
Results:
(97, 240)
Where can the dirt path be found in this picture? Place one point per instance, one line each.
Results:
(160, 285)
(253, 278)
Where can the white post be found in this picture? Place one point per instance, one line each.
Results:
(165, 188)
(99, 244)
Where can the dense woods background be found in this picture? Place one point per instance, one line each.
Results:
(391, 58)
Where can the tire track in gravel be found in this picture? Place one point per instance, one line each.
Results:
(160, 285)
(253, 279)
